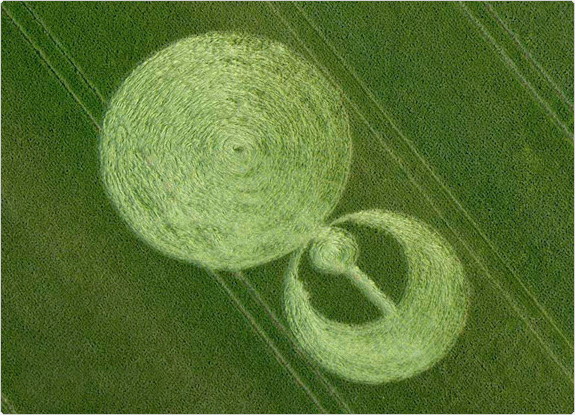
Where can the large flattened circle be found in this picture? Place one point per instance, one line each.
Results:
(226, 150)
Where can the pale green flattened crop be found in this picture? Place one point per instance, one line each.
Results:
(411, 336)
(225, 150)
(229, 151)
(460, 116)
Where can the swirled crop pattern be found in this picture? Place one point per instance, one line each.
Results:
(228, 151)
(411, 336)
(225, 150)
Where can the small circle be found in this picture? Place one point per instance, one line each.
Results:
(410, 336)
(225, 150)
(333, 251)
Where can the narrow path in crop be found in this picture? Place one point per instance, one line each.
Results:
(51, 68)
(92, 119)
(265, 338)
(65, 53)
(561, 95)
(295, 344)
(509, 298)
(514, 69)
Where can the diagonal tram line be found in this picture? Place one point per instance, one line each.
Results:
(427, 166)
(65, 53)
(514, 69)
(560, 93)
(544, 344)
(97, 127)
(266, 339)
(285, 330)
(44, 58)
(216, 277)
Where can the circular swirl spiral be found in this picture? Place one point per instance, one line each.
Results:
(333, 251)
(411, 336)
(225, 150)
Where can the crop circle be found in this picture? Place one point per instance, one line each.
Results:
(225, 150)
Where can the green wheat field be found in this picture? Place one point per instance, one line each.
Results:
(461, 116)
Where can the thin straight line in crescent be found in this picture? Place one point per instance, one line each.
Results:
(411, 336)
